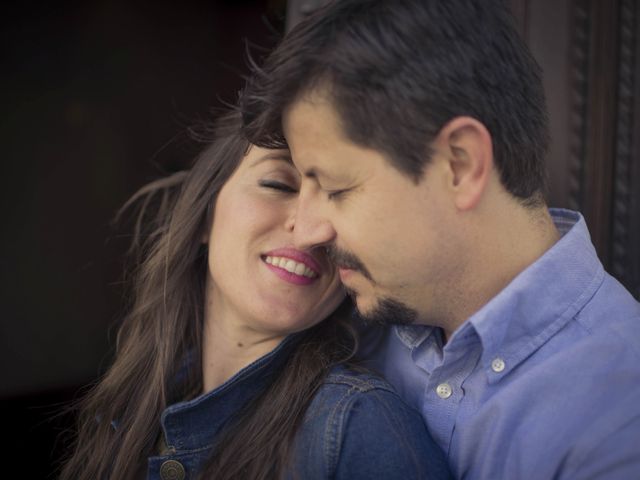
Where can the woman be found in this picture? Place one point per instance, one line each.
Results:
(234, 359)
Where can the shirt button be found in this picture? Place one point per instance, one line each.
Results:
(444, 390)
(172, 470)
(497, 365)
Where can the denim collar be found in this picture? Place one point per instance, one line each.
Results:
(195, 423)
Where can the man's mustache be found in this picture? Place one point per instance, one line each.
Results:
(344, 259)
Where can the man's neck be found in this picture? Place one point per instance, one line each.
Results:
(510, 238)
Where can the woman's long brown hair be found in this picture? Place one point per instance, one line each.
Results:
(119, 419)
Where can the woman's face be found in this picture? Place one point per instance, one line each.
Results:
(257, 278)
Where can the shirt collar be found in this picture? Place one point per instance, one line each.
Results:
(413, 335)
(535, 305)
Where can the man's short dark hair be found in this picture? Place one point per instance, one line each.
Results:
(397, 71)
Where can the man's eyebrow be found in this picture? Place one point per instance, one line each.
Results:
(315, 172)
(311, 173)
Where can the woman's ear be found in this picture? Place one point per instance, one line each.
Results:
(469, 153)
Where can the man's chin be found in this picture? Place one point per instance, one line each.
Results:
(385, 311)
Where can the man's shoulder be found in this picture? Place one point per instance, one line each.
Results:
(604, 336)
(569, 408)
(585, 381)
(611, 306)
(599, 348)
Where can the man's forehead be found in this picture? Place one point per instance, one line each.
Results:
(312, 113)
(314, 135)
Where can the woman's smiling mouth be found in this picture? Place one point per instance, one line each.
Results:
(292, 265)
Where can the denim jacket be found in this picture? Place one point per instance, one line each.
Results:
(356, 427)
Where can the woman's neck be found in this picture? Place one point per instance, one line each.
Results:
(228, 347)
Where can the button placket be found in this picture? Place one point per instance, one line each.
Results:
(444, 394)
(441, 405)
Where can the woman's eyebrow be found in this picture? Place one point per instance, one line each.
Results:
(282, 155)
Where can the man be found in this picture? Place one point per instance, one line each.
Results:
(420, 128)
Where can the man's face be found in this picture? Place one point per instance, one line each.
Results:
(389, 235)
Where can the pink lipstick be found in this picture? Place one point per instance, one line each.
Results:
(293, 266)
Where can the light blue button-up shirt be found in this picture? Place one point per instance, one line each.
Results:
(543, 382)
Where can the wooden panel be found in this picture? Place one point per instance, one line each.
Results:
(625, 241)
(600, 131)
(589, 53)
(553, 44)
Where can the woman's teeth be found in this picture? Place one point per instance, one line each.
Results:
(291, 266)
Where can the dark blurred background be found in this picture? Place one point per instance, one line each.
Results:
(97, 97)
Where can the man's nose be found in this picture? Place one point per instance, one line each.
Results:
(312, 227)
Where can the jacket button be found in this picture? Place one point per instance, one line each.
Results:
(172, 470)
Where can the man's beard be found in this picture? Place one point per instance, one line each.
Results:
(386, 312)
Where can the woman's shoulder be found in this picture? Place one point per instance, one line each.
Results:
(358, 427)
(355, 399)
(346, 388)
(356, 380)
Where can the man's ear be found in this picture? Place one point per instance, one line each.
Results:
(469, 152)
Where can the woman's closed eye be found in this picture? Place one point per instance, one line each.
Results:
(278, 186)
